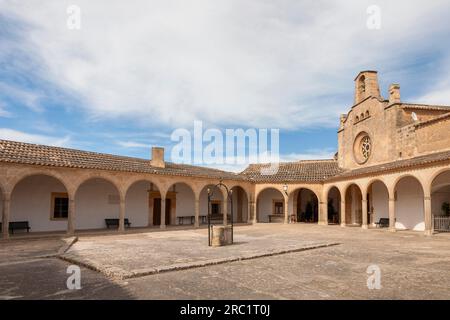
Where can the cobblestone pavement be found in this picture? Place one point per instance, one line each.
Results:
(412, 267)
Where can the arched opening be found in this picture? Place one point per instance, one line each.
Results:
(353, 206)
(362, 86)
(139, 204)
(306, 206)
(270, 206)
(96, 200)
(217, 202)
(440, 201)
(240, 205)
(377, 202)
(42, 201)
(181, 200)
(334, 206)
(409, 211)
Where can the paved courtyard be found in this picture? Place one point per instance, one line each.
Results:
(325, 263)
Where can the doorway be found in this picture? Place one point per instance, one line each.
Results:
(157, 211)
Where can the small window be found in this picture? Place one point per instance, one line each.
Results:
(362, 86)
(60, 206)
(278, 207)
(362, 116)
(356, 119)
(367, 114)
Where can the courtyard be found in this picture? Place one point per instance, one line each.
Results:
(268, 261)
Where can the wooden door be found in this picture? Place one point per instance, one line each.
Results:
(157, 211)
(168, 207)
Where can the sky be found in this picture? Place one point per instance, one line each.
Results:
(136, 71)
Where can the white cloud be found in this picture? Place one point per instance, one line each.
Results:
(14, 135)
(133, 144)
(3, 111)
(278, 64)
(28, 98)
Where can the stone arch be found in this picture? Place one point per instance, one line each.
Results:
(97, 198)
(110, 179)
(219, 199)
(182, 202)
(268, 204)
(333, 198)
(305, 204)
(405, 175)
(378, 194)
(17, 179)
(257, 193)
(138, 201)
(429, 182)
(245, 189)
(440, 199)
(42, 199)
(353, 204)
(409, 203)
(241, 203)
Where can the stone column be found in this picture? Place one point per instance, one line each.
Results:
(364, 213)
(197, 212)
(286, 211)
(5, 216)
(392, 214)
(428, 216)
(122, 215)
(253, 213)
(343, 222)
(163, 213)
(323, 213)
(71, 216)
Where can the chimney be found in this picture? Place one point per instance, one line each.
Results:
(394, 93)
(158, 157)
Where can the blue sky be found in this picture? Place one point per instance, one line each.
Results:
(135, 72)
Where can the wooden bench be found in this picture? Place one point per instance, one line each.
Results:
(191, 219)
(276, 218)
(17, 225)
(115, 223)
(383, 223)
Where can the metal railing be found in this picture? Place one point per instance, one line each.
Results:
(441, 223)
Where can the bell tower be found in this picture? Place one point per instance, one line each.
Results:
(366, 85)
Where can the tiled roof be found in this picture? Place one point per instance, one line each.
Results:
(433, 120)
(26, 153)
(396, 165)
(300, 171)
(423, 106)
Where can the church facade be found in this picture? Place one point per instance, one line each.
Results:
(392, 170)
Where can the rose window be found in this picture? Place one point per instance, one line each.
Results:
(366, 147)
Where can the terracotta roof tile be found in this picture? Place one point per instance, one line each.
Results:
(396, 165)
(300, 171)
(33, 154)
